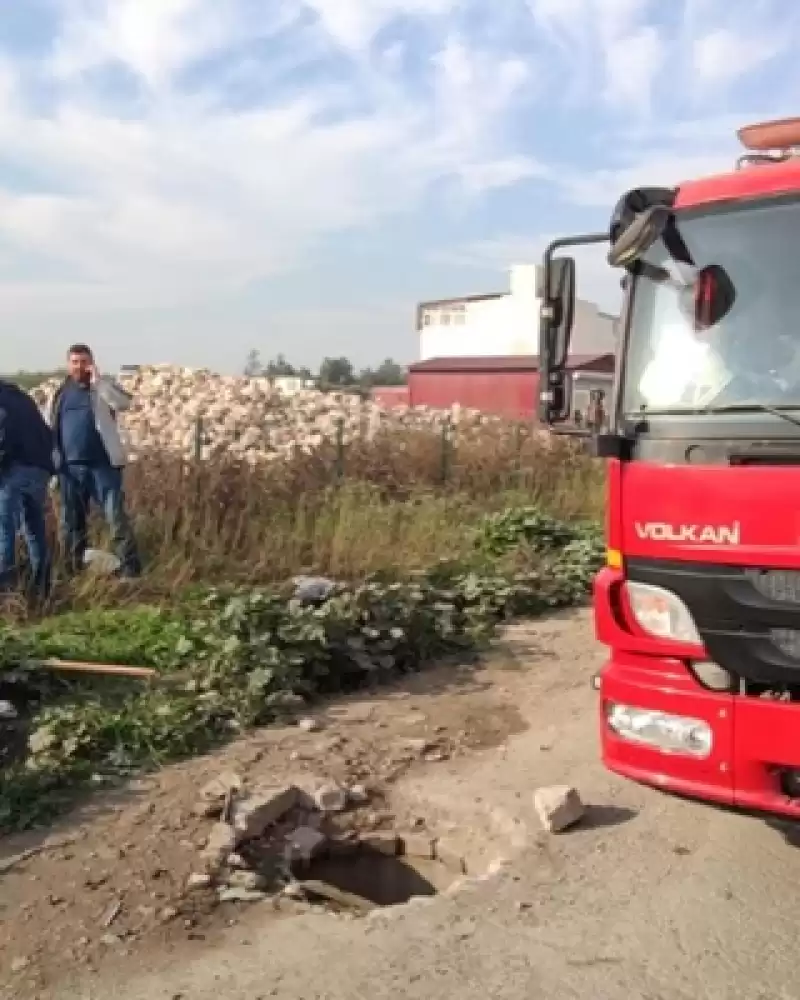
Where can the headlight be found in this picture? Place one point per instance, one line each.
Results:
(661, 613)
(668, 733)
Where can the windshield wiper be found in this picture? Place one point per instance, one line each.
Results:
(776, 411)
(637, 419)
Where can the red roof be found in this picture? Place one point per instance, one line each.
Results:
(511, 363)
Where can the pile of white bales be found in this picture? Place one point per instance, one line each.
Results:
(184, 410)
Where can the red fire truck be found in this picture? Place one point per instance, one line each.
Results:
(699, 601)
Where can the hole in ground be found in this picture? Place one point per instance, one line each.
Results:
(367, 879)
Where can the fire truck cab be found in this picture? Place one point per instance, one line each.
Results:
(699, 601)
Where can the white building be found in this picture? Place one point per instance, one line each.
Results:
(505, 323)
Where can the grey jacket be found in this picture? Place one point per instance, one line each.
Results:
(108, 398)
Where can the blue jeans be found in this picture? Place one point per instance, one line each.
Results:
(23, 500)
(80, 487)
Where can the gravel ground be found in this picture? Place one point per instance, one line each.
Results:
(653, 897)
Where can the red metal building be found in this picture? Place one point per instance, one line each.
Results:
(390, 395)
(506, 386)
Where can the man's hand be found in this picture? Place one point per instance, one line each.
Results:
(94, 372)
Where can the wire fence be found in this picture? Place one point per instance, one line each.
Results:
(510, 444)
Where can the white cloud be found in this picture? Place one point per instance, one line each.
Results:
(166, 153)
(631, 52)
(727, 42)
(601, 188)
(353, 24)
(633, 62)
(185, 193)
(722, 55)
(610, 46)
(596, 281)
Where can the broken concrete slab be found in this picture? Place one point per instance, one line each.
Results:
(252, 881)
(304, 844)
(294, 890)
(450, 857)
(199, 880)
(417, 845)
(331, 798)
(261, 809)
(235, 895)
(358, 795)
(558, 807)
(220, 845)
(333, 894)
(217, 792)
(382, 842)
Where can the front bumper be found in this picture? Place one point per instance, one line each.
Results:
(754, 740)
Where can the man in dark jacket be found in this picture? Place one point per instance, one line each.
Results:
(26, 465)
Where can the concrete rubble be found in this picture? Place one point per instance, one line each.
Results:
(221, 843)
(252, 815)
(215, 794)
(184, 410)
(558, 807)
(331, 798)
(264, 845)
(304, 844)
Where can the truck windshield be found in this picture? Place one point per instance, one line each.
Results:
(748, 357)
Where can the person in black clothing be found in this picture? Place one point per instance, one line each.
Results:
(26, 465)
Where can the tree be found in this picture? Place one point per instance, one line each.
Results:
(336, 371)
(389, 372)
(252, 366)
(30, 380)
(280, 368)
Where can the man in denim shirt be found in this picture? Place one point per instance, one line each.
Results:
(26, 465)
(91, 457)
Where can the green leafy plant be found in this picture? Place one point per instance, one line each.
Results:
(239, 657)
(505, 530)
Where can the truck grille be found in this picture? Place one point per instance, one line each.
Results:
(749, 617)
(787, 640)
(782, 585)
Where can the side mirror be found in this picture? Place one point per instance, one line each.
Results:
(557, 312)
(709, 300)
(634, 241)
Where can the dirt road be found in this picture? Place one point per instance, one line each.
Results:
(655, 898)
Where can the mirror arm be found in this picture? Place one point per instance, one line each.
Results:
(563, 243)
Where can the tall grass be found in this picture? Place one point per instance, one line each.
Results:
(399, 502)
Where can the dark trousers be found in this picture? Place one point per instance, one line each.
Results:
(23, 500)
(81, 486)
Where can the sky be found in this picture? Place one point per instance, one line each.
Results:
(184, 180)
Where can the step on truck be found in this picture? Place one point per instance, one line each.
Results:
(699, 600)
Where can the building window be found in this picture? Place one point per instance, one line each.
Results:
(459, 318)
(445, 319)
(426, 319)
